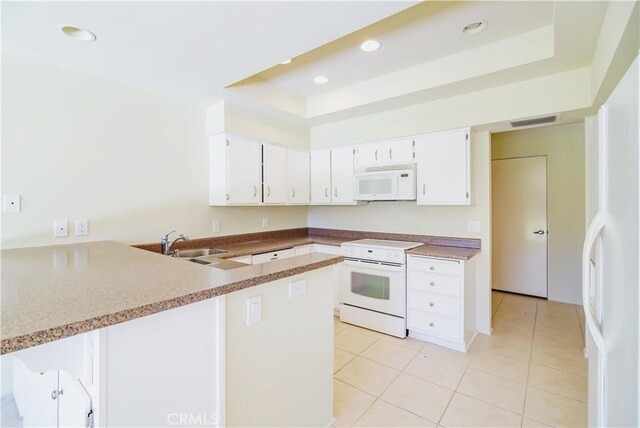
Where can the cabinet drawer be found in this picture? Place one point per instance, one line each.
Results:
(433, 324)
(425, 264)
(442, 284)
(435, 303)
(268, 257)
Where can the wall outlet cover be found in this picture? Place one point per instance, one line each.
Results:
(82, 227)
(473, 226)
(265, 221)
(215, 226)
(254, 309)
(297, 288)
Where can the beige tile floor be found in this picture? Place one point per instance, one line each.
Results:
(530, 372)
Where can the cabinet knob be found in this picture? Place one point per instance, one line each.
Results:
(431, 268)
(335, 192)
(430, 324)
(431, 304)
(376, 155)
(229, 197)
(255, 191)
(293, 192)
(268, 191)
(432, 284)
(390, 153)
(424, 188)
(326, 192)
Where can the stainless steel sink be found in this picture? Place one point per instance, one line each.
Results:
(200, 252)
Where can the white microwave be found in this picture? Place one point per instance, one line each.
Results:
(386, 184)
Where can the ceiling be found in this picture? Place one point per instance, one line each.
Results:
(206, 51)
(186, 50)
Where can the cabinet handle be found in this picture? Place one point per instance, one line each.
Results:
(432, 284)
(326, 192)
(293, 192)
(430, 324)
(424, 188)
(268, 191)
(431, 304)
(335, 192)
(376, 155)
(229, 197)
(390, 153)
(255, 191)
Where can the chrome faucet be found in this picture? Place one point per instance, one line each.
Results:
(166, 244)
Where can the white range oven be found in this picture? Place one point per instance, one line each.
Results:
(373, 285)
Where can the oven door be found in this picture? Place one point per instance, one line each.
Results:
(374, 286)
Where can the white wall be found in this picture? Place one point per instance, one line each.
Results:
(564, 148)
(133, 163)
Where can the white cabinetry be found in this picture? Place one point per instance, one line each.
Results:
(332, 176)
(342, 176)
(443, 168)
(320, 177)
(235, 176)
(388, 152)
(298, 176)
(441, 301)
(274, 170)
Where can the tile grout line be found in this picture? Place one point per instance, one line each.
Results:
(526, 385)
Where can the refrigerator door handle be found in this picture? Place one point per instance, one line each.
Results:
(596, 227)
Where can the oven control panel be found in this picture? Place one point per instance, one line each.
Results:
(377, 254)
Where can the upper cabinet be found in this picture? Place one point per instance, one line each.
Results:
(275, 176)
(320, 177)
(388, 152)
(235, 176)
(298, 162)
(332, 176)
(443, 168)
(342, 176)
(244, 171)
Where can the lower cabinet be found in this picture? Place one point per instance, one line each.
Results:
(441, 301)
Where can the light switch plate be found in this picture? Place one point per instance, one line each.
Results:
(11, 204)
(473, 226)
(254, 309)
(60, 229)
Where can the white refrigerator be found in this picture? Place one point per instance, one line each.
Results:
(611, 254)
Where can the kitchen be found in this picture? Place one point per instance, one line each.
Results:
(130, 153)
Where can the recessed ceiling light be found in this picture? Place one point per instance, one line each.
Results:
(78, 33)
(475, 27)
(286, 61)
(321, 79)
(370, 45)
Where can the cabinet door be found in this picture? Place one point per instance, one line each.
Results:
(443, 168)
(398, 151)
(244, 171)
(368, 155)
(275, 174)
(342, 175)
(298, 177)
(320, 179)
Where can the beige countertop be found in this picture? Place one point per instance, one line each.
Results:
(49, 293)
(440, 251)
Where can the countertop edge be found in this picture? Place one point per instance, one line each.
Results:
(41, 337)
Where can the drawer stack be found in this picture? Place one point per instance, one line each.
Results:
(436, 298)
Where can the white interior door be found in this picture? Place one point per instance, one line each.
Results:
(519, 198)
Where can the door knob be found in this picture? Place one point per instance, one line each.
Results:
(539, 232)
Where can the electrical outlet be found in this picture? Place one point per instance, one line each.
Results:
(61, 229)
(82, 227)
(265, 221)
(215, 226)
(473, 226)
(297, 288)
(11, 203)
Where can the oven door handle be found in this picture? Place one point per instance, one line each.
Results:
(356, 266)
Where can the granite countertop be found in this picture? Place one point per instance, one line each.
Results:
(49, 293)
(457, 253)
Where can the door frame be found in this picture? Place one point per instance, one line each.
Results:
(546, 195)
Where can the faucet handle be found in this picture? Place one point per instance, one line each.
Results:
(166, 237)
(186, 238)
